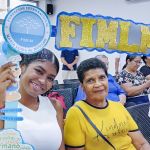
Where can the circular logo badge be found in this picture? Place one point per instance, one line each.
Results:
(26, 29)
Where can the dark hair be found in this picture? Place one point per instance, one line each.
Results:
(91, 63)
(143, 58)
(130, 57)
(42, 56)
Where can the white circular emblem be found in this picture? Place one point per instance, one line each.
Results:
(26, 29)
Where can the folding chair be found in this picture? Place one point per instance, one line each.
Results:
(140, 115)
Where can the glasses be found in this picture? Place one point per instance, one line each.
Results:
(137, 62)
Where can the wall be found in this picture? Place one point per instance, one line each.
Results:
(136, 11)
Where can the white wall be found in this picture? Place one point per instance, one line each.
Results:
(136, 11)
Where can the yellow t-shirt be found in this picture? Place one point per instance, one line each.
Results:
(113, 121)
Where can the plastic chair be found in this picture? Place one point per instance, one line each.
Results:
(140, 115)
(73, 86)
(70, 81)
(55, 82)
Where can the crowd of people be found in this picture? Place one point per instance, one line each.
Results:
(98, 120)
(97, 123)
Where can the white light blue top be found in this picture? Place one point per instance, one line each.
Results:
(40, 128)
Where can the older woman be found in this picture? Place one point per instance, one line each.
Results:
(115, 92)
(113, 126)
(133, 81)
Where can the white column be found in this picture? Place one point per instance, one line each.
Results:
(43, 5)
(3, 5)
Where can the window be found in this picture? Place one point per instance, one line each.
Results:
(14, 3)
(1, 37)
(6, 5)
(3, 8)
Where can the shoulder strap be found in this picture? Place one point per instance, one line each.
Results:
(94, 126)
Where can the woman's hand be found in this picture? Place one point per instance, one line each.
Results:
(147, 84)
(122, 98)
(148, 77)
(6, 79)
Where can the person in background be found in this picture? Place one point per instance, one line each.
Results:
(110, 118)
(115, 92)
(146, 68)
(119, 61)
(69, 59)
(133, 82)
(42, 118)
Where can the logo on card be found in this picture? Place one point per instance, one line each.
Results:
(26, 29)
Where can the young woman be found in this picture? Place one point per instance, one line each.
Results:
(110, 118)
(42, 124)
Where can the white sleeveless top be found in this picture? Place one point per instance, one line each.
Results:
(40, 128)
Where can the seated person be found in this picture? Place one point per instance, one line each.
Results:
(111, 126)
(146, 68)
(133, 81)
(115, 92)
